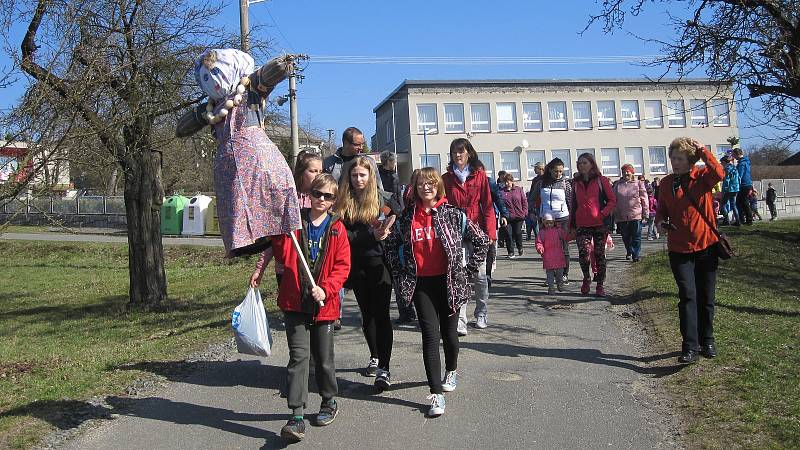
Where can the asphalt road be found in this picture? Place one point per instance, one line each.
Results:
(561, 371)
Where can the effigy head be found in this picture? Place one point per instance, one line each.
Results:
(219, 71)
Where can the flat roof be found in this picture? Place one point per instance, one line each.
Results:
(544, 82)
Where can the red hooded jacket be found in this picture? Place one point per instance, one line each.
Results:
(334, 270)
(586, 211)
(474, 197)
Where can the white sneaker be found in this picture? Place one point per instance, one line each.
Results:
(461, 329)
(480, 322)
(437, 405)
(450, 381)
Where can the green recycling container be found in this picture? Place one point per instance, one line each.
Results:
(172, 214)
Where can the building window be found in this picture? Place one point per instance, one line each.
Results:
(453, 118)
(721, 112)
(676, 113)
(557, 115)
(609, 161)
(506, 117)
(658, 160)
(426, 118)
(487, 158)
(580, 151)
(387, 125)
(433, 160)
(481, 120)
(635, 157)
(532, 116)
(532, 157)
(509, 161)
(582, 115)
(723, 149)
(564, 155)
(606, 115)
(699, 115)
(653, 114)
(629, 110)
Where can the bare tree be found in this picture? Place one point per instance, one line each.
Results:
(121, 68)
(754, 43)
(769, 154)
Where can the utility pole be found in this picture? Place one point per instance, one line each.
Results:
(293, 108)
(244, 25)
(330, 140)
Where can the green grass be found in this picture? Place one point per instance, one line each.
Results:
(65, 326)
(26, 229)
(749, 396)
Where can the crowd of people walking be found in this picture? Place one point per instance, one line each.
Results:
(433, 240)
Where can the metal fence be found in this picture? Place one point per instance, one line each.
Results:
(89, 205)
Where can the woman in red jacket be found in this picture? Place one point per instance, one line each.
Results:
(593, 201)
(310, 309)
(467, 187)
(691, 241)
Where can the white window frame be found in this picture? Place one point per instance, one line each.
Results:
(606, 123)
(581, 124)
(458, 126)
(431, 157)
(488, 120)
(657, 119)
(723, 149)
(715, 118)
(675, 114)
(529, 124)
(425, 125)
(638, 166)
(531, 158)
(488, 162)
(609, 169)
(696, 105)
(580, 151)
(565, 155)
(512, 164)
(564, 120)
(388, 134)
(630, 122)
(502, 124)
(655, 169)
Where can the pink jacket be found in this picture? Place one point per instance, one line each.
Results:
(548, 244)
(632, 201)
(585, 210)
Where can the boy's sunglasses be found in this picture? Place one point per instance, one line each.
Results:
(323, 195)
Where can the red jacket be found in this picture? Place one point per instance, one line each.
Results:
(692, 233)
(334, 269)
(474, 197)
(586, 211)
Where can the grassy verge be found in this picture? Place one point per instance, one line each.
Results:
(65, 326)
(25, 229)
(749, 396)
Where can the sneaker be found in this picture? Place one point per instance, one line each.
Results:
(480, 322)
(327, 412)
(337, 325)
(565, 280)
(551, 290)
(461, 329)
(587, 284)
(294, 430)
(511, 256)
(560, 286)
(649, 238)
(450, 381)
(544, 284)
(372, 368)
(599, 291)
(383, 380)
(658, 235)
(628, 256)
(519, 252)
(437, 405)
(636, 259)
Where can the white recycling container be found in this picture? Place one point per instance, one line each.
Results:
(194, 215)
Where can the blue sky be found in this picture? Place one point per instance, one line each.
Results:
(337, 96)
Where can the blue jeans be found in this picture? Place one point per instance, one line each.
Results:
(729, 205)
(631, 231)
(651, 227)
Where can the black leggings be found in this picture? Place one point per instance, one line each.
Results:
(372, 286)
(437, 321)
(515, 229)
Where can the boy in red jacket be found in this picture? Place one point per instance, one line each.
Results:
(311, 308)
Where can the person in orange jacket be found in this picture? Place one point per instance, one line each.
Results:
(311, 307)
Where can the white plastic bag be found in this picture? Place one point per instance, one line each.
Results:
(250, 326)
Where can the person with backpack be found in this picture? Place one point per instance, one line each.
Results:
(730, 189)
(632, 207)
(593, 202)
(425, 253)
(311, 306)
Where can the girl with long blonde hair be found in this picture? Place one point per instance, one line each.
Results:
(367, 214)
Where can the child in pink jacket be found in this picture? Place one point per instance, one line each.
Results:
(549, 245)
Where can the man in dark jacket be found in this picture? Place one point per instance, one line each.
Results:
(352, 146)
(502, 213)
(388, 176)
(770, 198)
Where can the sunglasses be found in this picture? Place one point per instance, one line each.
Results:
(323, 195)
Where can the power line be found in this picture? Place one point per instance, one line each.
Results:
(482, 60)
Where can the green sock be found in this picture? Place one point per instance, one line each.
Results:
(298, 417)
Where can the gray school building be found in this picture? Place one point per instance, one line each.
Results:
(515, 123)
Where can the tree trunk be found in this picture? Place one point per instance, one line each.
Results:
(143, 198)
